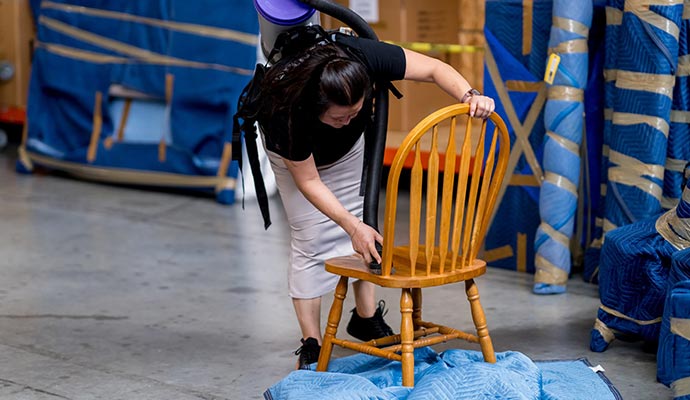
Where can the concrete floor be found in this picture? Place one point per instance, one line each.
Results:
(118, 293)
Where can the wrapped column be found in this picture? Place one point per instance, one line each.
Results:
(564, 120)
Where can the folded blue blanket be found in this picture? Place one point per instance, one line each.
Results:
(453, 374)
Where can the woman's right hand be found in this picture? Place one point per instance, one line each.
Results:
(364, 240)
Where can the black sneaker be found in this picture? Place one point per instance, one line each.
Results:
(308, 353)
(366, 329)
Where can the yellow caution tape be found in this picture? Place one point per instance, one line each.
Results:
(441, 48)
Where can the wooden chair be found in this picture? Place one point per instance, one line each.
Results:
(453, 227)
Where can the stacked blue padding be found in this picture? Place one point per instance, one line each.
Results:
(646, 62)
(614, 15)
(517, 217)
(646, 130)
(678, 152)
(636, 275)
(613, 29)
(592, 150)
(635, 262)
(90, 47)
(507, 25)
(673, 355)
(558, 197)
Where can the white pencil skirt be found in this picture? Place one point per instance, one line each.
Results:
(315, 237)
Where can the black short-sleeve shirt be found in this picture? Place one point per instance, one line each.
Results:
(310, 136)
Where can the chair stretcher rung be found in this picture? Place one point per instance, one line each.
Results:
(372, 351)
(444, 330)
(393, 339)
(425, 342)
(374, 347)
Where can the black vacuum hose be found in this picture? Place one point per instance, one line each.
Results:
(343, 14)
(376, 134)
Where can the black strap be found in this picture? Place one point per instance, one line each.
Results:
(247, 113)
(246, 110)
(395, 91)
(236, 140)
(255, 165)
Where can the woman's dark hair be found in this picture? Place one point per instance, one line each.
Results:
(313, 80)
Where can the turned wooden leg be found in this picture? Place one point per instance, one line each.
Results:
(480, 321)
(334, 316)
(406, 338)
(416, 307)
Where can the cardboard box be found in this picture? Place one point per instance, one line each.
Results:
(471, 32)
(471, 15)
(16, 36)
(408, 20)
(471, 64)
(419, 100)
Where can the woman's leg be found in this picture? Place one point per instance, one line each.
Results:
(365, 298)
(316, 238)
(308, 311)
(309, 317)
(366, 322)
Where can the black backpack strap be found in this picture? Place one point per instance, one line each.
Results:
(246, 109)
(395, 91)
(250, 137)
(237, 140)
(255, 166)
(243, 125)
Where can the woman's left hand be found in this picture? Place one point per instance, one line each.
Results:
(481, 106)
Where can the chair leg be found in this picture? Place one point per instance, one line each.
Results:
(334, 316)
(480, 321)
(416, 306)
(406, 338)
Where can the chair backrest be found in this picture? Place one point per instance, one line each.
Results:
(449, 214)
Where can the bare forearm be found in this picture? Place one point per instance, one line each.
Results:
(363, 236)
(423, 68)
(309, 183)
(325, 201)
(451, 81)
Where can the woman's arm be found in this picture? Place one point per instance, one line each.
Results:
(309, 183)
(422, 68)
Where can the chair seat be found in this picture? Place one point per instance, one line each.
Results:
(354, 266)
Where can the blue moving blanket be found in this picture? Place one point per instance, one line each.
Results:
(634, 265)
(453, 374)
(673, 368)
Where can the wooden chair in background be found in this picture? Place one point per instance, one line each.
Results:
(443, 245)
